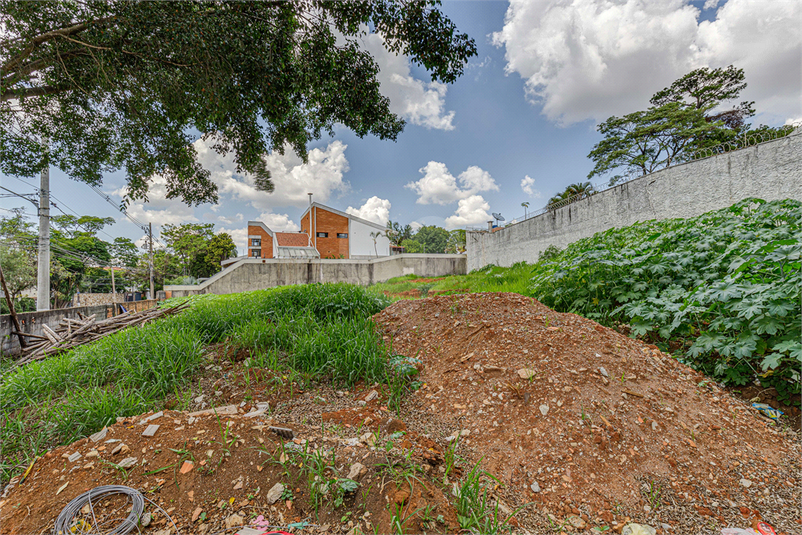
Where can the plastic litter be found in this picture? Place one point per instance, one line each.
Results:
(762, 528)
(768, 411)
(638, 529)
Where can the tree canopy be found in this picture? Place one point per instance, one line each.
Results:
(689, 115)
(129, 85)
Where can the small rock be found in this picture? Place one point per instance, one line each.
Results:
(603, 372)
(145, 519)
(234, 520)
(100, 435)
(544, 410)
(401, 496)
(534, 486)
(128, 462)
(577, 522)
(199, 399)
(254, 413)
(638, 529)
(745, 483)
(356, 469)
(238, 485)
(275, 493)
(654, 425)
(372, 395)
(526, 373)
(647, 509)
(196, 513)
(92, 453)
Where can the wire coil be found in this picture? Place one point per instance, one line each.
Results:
(65, 519)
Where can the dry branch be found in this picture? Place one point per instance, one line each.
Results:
(72, 333)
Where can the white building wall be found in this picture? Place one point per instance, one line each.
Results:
(361, 243)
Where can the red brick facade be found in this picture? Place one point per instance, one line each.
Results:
(267, 241)
(332, 224)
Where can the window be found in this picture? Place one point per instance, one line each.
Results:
(322, 234)
(257, 253)
(256, 242)
(342, 234)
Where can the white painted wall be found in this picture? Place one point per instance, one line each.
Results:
(360, 242)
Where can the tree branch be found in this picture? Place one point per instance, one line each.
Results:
(9, 94)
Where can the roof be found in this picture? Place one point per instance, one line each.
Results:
(260, 224)
(296, 252)
(292, 239)
(344, 214)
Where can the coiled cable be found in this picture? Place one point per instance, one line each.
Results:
(65, 519)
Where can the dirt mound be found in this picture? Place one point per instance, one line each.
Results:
(214, 473)
(581, 420)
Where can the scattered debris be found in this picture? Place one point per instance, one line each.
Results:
(275, 493)
(72, 333)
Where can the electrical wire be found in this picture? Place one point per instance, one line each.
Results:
(67, 517)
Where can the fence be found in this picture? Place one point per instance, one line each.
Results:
(748, 140)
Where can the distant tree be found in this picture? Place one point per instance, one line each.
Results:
(18, 270)
(432, 238)
(124, 252)
(126, 84)
(398, 233)
(683, 118)
(207, 262)
(574, 192)
(456, 241)
(186, 242)
(412, 246)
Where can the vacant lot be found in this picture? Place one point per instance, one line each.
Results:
(477, 410)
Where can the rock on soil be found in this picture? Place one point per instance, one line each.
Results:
(651, 435)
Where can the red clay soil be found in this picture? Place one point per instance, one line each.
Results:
(606, 427)
(231, 474)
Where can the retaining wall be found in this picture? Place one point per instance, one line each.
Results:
(769, 171)
(258, 273)
(31, 322)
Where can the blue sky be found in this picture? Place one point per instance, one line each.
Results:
(516, 127)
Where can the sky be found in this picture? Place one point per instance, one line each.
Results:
(515, 128)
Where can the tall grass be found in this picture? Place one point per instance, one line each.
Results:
(323, 331)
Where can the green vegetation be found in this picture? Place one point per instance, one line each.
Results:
(721, 290)
(322, 331)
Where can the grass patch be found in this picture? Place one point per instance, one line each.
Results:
(323, 332)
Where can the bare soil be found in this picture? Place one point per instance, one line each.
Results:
(604, 428)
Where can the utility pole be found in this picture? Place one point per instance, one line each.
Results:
(113, 287)
(43, 268)
(150, 252)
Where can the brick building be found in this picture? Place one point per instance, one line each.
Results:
(325, 233)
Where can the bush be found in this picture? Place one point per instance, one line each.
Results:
(722, 288)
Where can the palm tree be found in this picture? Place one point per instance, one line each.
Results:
(573, 193)
(525, 205)
(375, 235)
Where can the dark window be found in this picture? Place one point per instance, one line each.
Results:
(342, 234)
(322, 234)
(257, 253)
(256, 242)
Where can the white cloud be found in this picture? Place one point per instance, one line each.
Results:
(293, 179)
(528, 186)
(278, 222)
(589, 59)
(416, 225)
(374, 209)
(470, 211)
(439, 186)
(418, 102)
(711, 4)
(159, 210)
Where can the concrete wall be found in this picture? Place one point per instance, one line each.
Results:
(769, 171)
(361, 243)
(92, 299)
(31, 322)
(255, 274)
